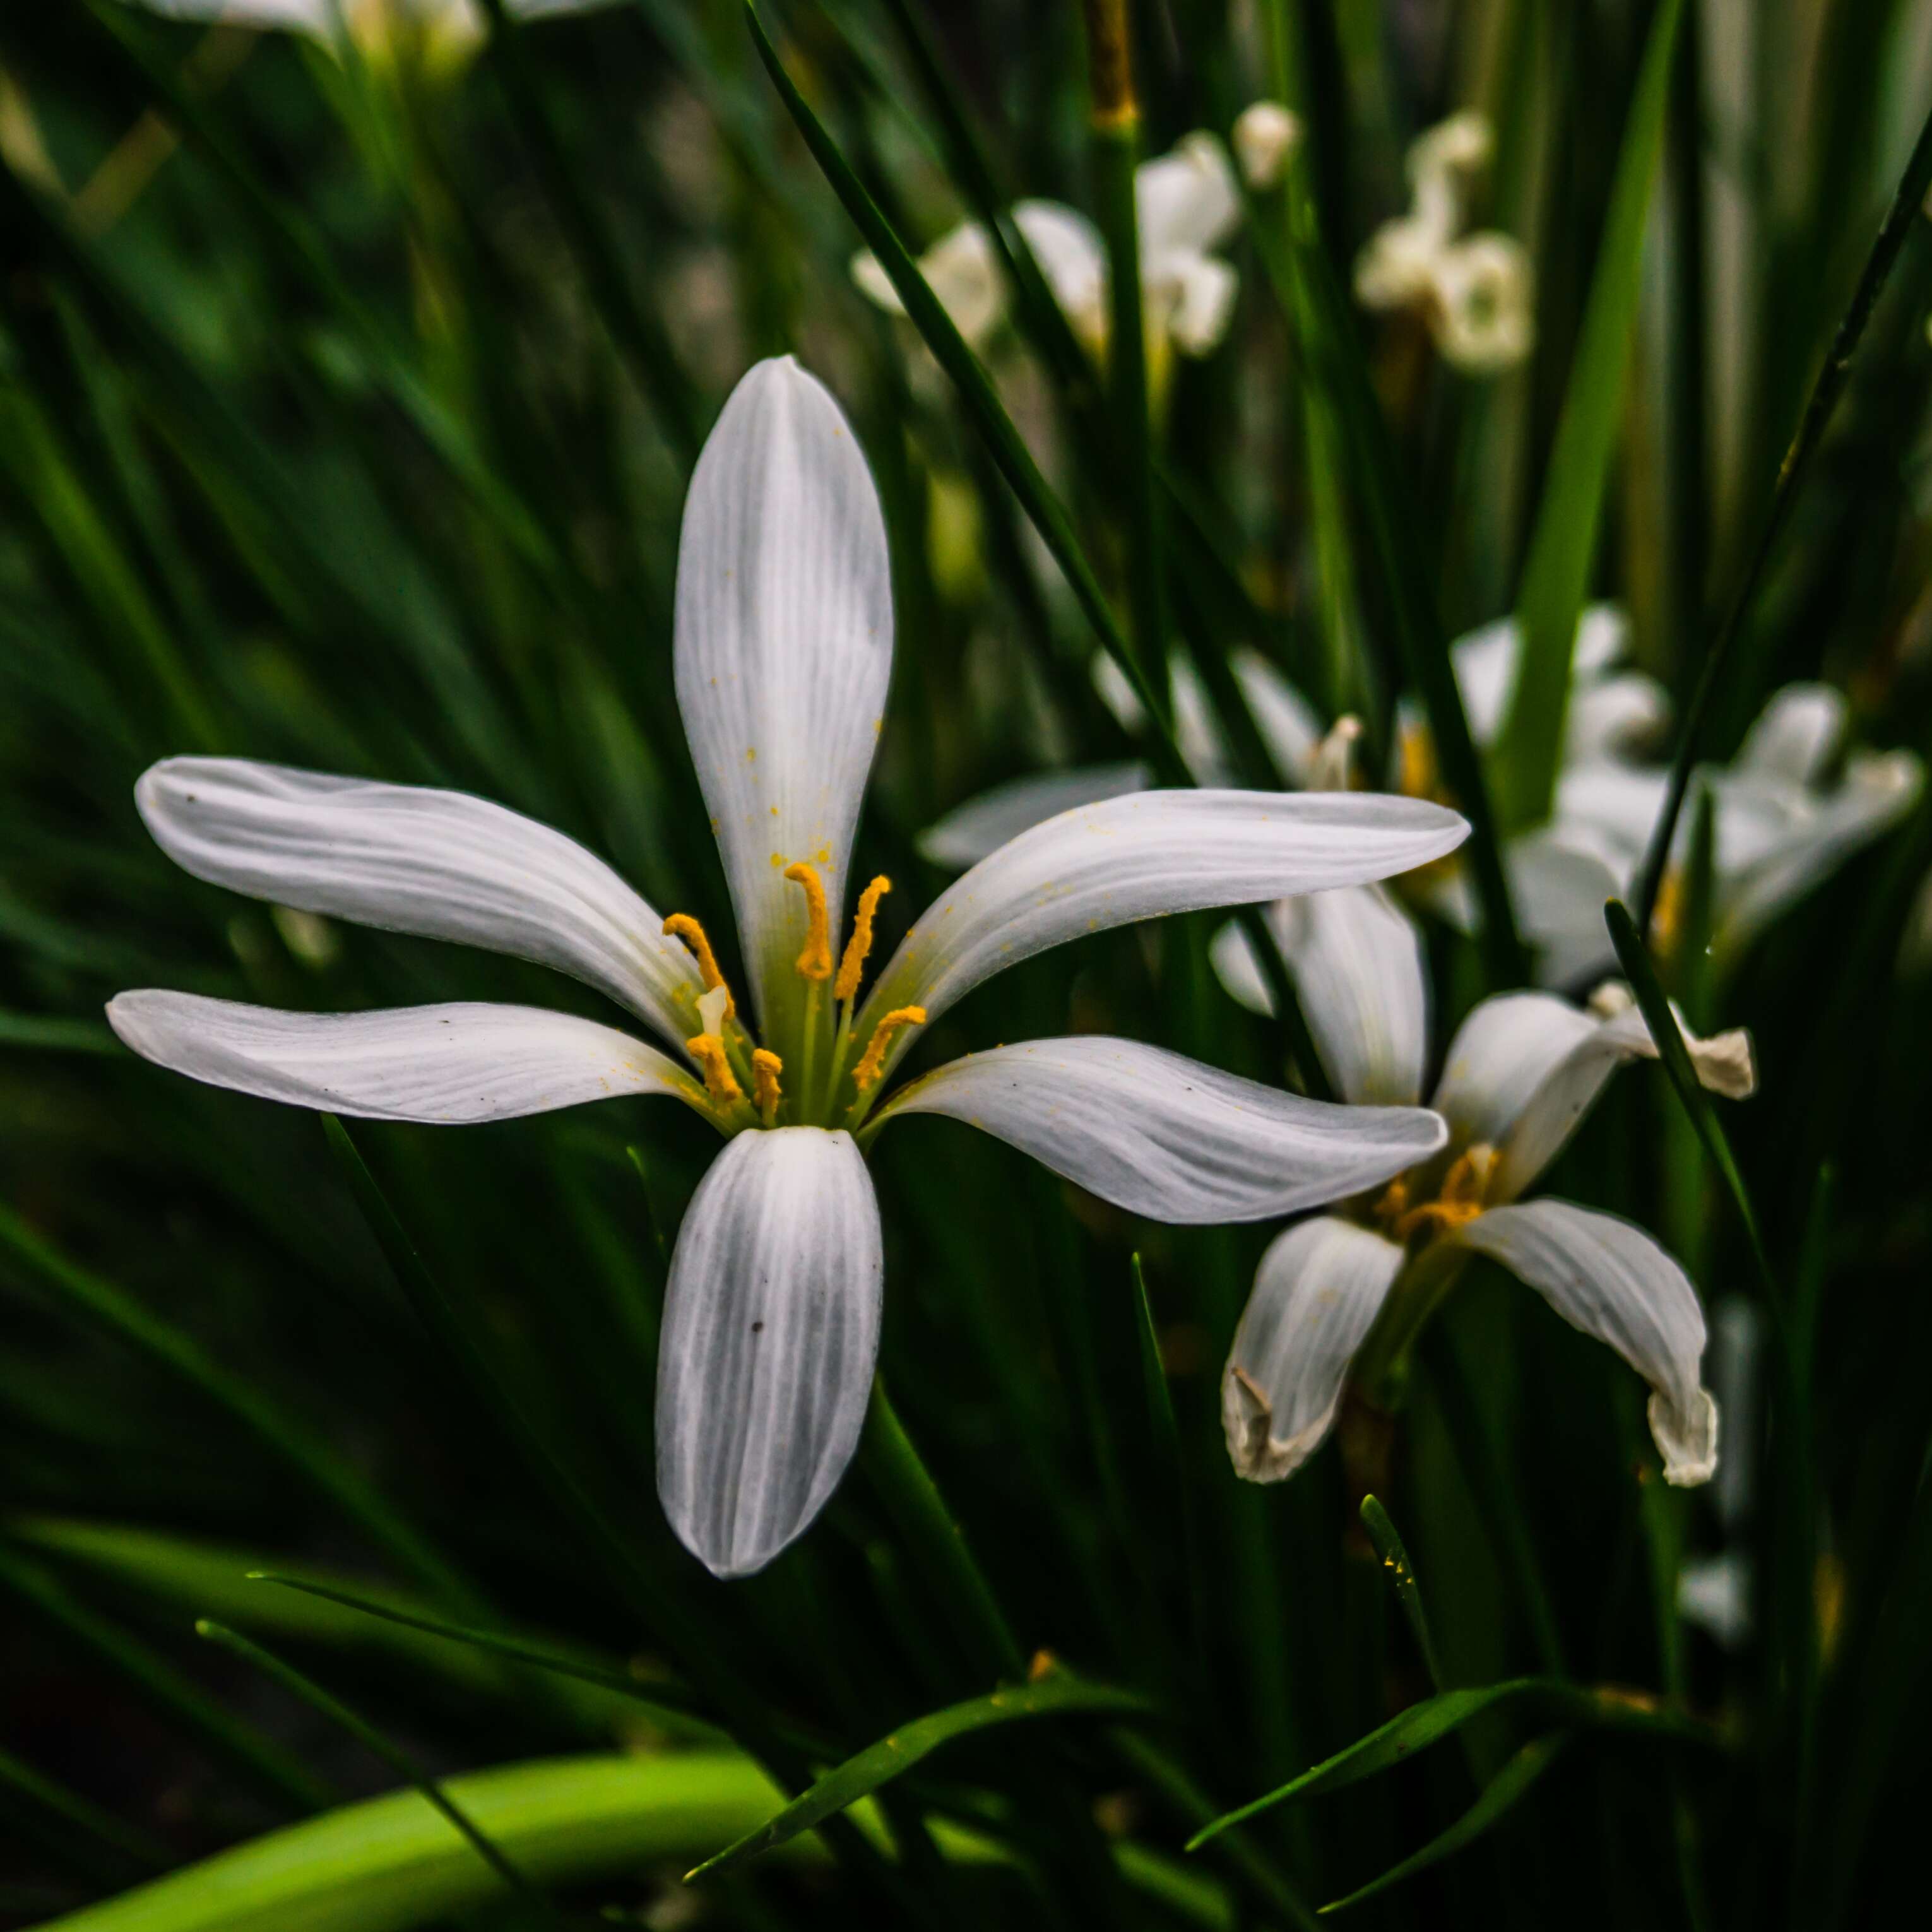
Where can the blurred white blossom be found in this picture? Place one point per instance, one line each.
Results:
(1267, 137)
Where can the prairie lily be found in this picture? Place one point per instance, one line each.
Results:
(783, 652)
(1475, 292)
(1340, 1298)
(1187, 205)
(441, 33)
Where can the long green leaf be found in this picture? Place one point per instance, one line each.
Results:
(1056, 1695)
(1605, 1707)
(1499, 1797)
(1556, 578)
(82, 1816)
(1401, 1572)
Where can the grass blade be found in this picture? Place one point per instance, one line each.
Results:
(83, 1815)
(1901, 218)
(1605, 1707)
(1499, 1797)
(1054, 1695)
(1556, 578)
(1389, 1547)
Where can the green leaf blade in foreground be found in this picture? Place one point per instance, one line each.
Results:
(1499, 1797)
(1602, 1707)
(1555, 578)
(899, 1751)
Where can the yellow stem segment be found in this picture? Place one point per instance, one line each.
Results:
(815, 962)
(708, 1050)
(872, 1061)
(766, 1092)
(859, 947)
(681, 925)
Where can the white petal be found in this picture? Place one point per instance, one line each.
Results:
(1614, 1283)
(407, 859)
(1615, 717)
(1073, 259)
(1484, 316)
(1396, 267)
(1197, 729)
(1163, 1136)
(306, 17)
(771, 1328)
(784, 650)
(1714, 1592)
(1316, 1295)
(1879, 789)
(1359, 972)
(1199, 292)
(1149, 854)
(1524, 1069)
(964, 271)
(981, 825)
(1289, 725)
(1266, 138)
(453, 1064)
(1186, 201)
(1603, 639)
(1795, 735)
(1485, 661)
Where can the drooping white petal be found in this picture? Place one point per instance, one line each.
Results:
(440, 864)
(1357, 961)
(1524, 1069)
(306, 17)
(1198, 293)
(967, 834)
(454, 1064)
(771, 1328)
(1165, 1137)
(1073, 259)
(1614, 1282)
(1484, 313)
(1796, 735)
(1316, 1295)
(1148, 854)
(784, 650)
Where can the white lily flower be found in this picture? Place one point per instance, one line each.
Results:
(1522, 1071)
(442, 31)
(1187, 205)
(783, 652)
(1476, 291)
(1267, 137)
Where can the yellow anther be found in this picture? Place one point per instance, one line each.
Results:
(681, 925)
(846, 986)
(766, 1068)
(708, 1050)
(815, 962)
(1666, 917)
(872, 1061)
(1460, 1200)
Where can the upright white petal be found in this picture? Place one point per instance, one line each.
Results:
(1186, 201)
(306, 16)
(771, 1328)
(1524, 1069)
(1615, 717)
(1163, 1136)
(454, 1064)
(440, 864)
(1073, 259)
(1316, 1295)
(1267, 137)
(1796, 735)
(1289, 725)
(1359, 973)
(1614, 1283)
(967, 834)
(1142, 856)
(784, 650)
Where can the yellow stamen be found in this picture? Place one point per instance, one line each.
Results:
(846, 986)
(681, 925)
(1666, 917)
(1459, 1201)
(1415, 755)
(766, 1068)
(872, 1061)
(708, 1050)
(815, 962)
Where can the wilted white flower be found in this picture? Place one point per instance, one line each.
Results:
(442, 31)
(1266, 138)
(783, 653)
(1476, 291)
(1187, 205)
(1522, 1071)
